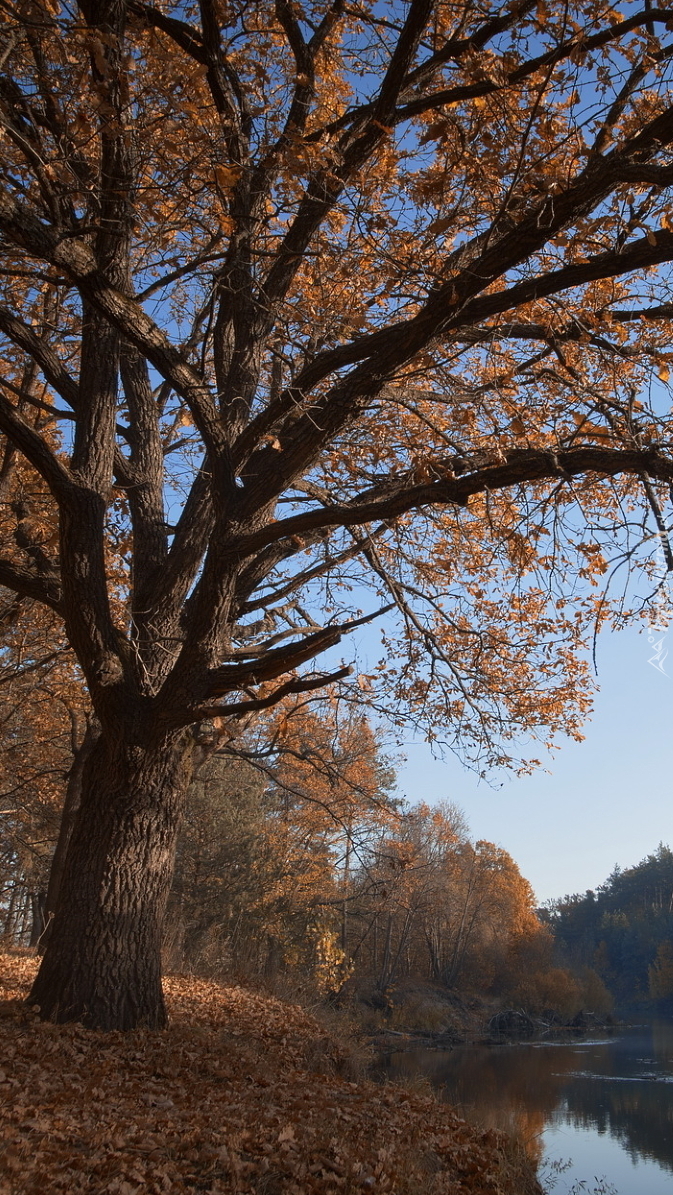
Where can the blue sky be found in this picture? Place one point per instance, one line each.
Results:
(607, 800)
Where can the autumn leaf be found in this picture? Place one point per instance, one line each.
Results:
(227, 177)
(441, 225)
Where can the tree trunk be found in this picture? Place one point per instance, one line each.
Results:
(9, 915)
(37, 904)
(102, 963)
(73, 796)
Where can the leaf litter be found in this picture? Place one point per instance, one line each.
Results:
(241, 1094)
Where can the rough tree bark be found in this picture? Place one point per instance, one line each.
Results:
(71, 804)
(102, 963)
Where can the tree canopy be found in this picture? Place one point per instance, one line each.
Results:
(312, 312)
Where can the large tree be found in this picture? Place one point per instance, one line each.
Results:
(308, 306)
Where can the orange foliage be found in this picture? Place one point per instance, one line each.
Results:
(442, 258)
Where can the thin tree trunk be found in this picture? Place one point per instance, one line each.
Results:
(346, 881)
(9, 917)
(26, 912)
(434, 950)
(37, 903)
(382, 982)
(102, 963)
(402, 945)
(375, 942)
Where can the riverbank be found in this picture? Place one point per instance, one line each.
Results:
(426, 1016)
(242, 1094)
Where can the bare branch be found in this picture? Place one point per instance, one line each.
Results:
(302, 684)
(284, 659)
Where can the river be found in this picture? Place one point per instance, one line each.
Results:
(597, 1114)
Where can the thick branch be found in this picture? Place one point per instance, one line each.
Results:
(458, 94)
(184, 35)
(22, 335)
(238, 709)
(76, 259)
(31, 585)
(519, 467)
(231, 677)
(662, 312)
(145, 494)
(444, 314)
(35, 449)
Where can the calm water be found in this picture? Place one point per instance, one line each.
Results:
(605, 1105)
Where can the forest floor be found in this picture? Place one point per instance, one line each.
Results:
(243, 1093)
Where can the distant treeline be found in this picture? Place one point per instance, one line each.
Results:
(623, 931)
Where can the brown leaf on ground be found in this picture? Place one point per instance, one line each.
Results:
(222, 1102)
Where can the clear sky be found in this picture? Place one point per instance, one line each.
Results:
(607, 800)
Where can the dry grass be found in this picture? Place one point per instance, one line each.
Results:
(419, 1013)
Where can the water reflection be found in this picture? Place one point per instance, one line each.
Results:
(619, 1087)
(626, 1090)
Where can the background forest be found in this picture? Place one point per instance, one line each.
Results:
(625, 931)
